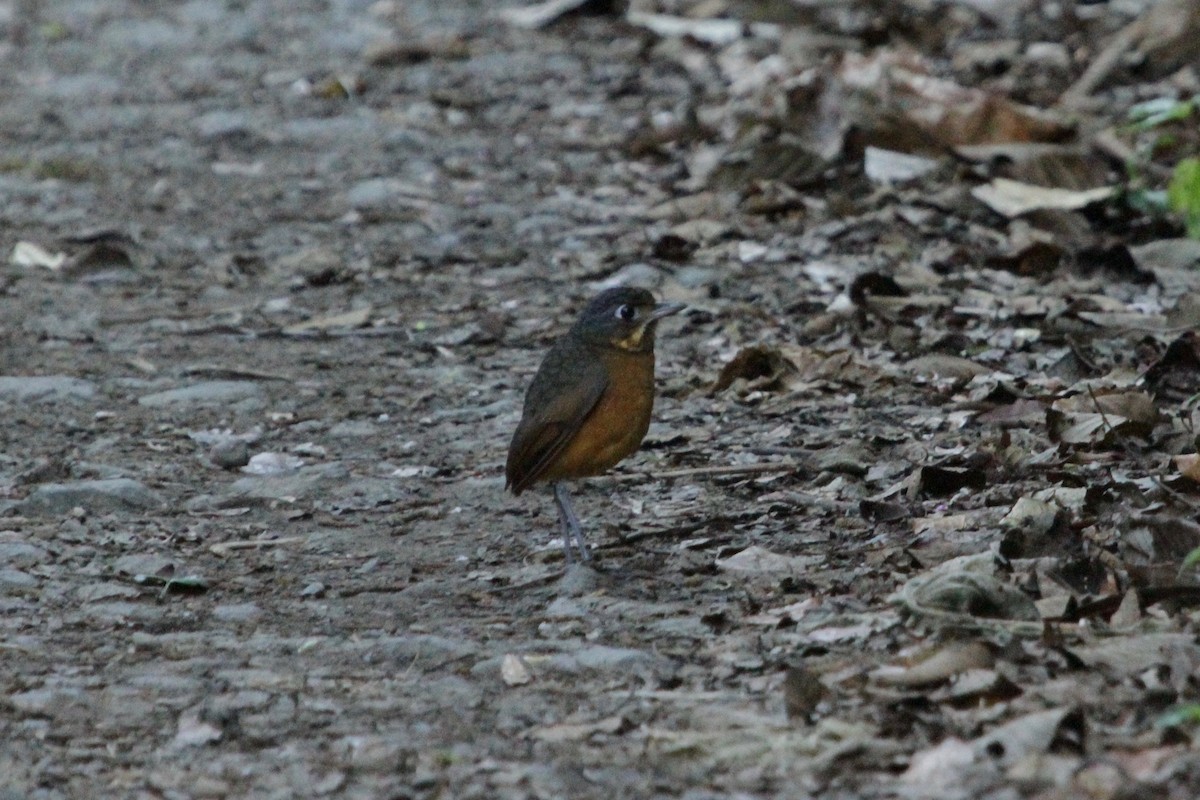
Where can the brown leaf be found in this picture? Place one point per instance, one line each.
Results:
(939, 664)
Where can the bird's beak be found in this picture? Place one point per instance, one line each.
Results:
(665, 310)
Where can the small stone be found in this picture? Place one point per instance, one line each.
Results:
(115, 494)
(565, 608)
(579, 579)
(230, 454)
(314, 266)
(43, 702)
(237, 612)
(44, 388)
(223, 125)
(314, 589)
(380, 197)
(201, 394)
(603, 658)
(21, 554)
(144, 564)
(14, 580)
(354, 428)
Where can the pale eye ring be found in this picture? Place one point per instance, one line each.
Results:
(625, 312)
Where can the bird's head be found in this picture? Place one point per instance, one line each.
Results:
(624, 318)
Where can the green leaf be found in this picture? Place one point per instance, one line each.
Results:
(1159, 111)
(1179, 716)
(1183, 194)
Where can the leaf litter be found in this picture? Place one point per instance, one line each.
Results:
(917, 516)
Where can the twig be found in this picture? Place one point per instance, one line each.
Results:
(808, 500)
(658, 533)
(1103, 64)
(1103, 417)
(223, 548)
(719, 471)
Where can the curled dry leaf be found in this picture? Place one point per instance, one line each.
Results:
(758, 561)
(1030, 515)
(1061, 730)
(942, 365)
(1101, 419)
(1189, 466)
(346, 319)
(939, 664)
(760, 366)
(1012, 198)
(573, 732)
(963, 593)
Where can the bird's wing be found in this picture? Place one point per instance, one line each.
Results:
(563, 393)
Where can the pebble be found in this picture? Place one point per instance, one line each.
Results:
(14, 580)
(223, 125)
(237, 612)
(201, 394)
(45, 388)
(43, 702)
(114, 494)
(354, 428)
(424, 649)
(21, 554)
(379, 197)
(230, 454)
(603, 658)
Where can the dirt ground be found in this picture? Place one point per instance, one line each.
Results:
(276, 276)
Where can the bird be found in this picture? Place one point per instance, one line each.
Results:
(588, 406)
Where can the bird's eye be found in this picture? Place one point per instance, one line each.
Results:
(626, 312)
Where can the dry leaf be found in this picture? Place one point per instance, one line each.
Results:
(939, 664)
(347, 319)
(1012, 199)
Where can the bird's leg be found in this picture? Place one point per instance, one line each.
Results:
(572, 532)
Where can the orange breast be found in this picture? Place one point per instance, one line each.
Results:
(616, 425)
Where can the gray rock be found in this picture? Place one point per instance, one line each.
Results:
(115, 494)
(420, 651)
(166, 684)
(637, 274)
(593, 658)
(144, 34)
(45, 388)
(201, 394)
(44, 702)
(103, 592)
(93, 87)
(694, 277)
(297, 485)
(120, 612)
(578, 580)
(354, 428)
(322, 130)
(21, 554)
(230, 454)
(237, 612)
(16, 581)
(603, 659)
(144, 564)
(384, 197)
(566, 608)
(223, 125)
